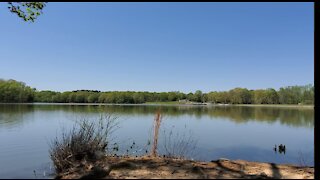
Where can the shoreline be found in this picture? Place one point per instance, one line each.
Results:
(170, 104)
(146, 167)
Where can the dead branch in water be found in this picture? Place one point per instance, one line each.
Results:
(157, 123)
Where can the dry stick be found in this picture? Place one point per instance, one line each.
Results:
(157, 122)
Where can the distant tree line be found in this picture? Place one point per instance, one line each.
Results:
(286, 95)
(15, 91)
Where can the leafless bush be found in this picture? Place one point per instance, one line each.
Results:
(302, 160)
(86, 140)
(175, 145)
(178, 145)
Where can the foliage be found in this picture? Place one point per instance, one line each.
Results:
(240, 96)
(46, 96)
(28, 11)
(219, 97)
(13, 91)
(297, 94)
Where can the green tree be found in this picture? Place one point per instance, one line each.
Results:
(65, 96)
(240, 96)
(189, 96)
(308, 94)
(45, 96)
(272, 96)
(163, 96)
(212, 97)
(93, 98)
(198, 96)
(72, 97)
(181, 95)
(80, 97)
(14, 91)
(28, 11)
(224, 97)
(138, 98)
(103, 98)
(259, 96)
(172, 96)
(57, 98)
(296, 94)
(205, 97)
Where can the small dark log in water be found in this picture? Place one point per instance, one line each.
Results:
(282, 149)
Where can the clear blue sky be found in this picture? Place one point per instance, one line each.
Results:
(160, 46)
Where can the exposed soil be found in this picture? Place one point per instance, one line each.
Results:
(168, 168)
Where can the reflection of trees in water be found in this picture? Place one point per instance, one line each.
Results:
(297, 117)
(287, 116)
(267, 114)
(239, 114)
(13, 115)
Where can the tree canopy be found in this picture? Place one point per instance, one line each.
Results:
(28, 11)
(14, 91)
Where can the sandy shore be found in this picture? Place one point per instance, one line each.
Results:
(168, 168)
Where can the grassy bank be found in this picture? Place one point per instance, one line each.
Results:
(165, 103)
(210, 104)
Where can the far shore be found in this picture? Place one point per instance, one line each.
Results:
(174, 103)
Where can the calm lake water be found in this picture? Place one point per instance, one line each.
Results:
(232, 132)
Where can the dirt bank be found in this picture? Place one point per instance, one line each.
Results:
(168, 168)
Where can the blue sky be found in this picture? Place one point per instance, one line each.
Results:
(160, 46)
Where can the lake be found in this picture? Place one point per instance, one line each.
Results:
(233, 132)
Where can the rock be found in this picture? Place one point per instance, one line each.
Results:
(98, 155)
(58, 177)
(224, 159)
(242, 167)
(264, 174)
(96, 172)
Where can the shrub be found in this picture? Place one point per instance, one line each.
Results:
(85, 141)
(179, 145)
